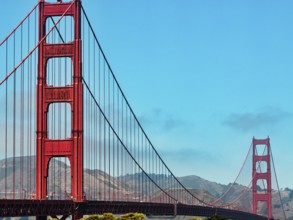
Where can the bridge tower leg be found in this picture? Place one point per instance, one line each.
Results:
(72, 147)
(265, 175)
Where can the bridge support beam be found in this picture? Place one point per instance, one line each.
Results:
(71, 148)
(41, 217)
(259, 174)
(77, 215)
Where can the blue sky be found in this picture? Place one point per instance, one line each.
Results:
(203, 77)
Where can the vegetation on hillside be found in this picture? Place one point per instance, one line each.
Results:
(217, 217)
(110, 216)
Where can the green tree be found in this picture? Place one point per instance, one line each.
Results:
(131, 216)
(92, 217)
(110, 216)
(216, 217)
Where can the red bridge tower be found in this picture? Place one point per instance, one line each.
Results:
(265, 175)
(71, 148)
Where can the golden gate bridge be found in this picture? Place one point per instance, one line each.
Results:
(71, 144)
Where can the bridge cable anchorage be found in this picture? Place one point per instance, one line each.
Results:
(36, 46)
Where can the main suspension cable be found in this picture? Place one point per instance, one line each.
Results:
(37, 45)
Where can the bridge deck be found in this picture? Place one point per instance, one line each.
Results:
(68, 207)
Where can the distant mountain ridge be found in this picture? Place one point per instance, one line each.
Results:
(124, 185)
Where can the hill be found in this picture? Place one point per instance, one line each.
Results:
(123, 186)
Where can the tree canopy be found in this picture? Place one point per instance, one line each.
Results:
(217, 217)
(110, 216)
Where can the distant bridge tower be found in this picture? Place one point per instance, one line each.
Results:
(72, 147)
(262, 175)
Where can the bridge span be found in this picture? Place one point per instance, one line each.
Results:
(67, 130)
(69, 208)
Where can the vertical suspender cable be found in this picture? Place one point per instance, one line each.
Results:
(109, 137)
(150, 171)
(100, 129)
(130, 144)
(91, 114)
(29, 158)
(143, 167)
(123, 138)
(88, 147)
(139, 161)
(6, 121)
(33, 64)
(91, 136)
(95, 124)
(21, 119)
(14, 119)
(137, 156)
(126, 131)
(65, 111)
(113, 142)
(29, 142)
(54, 122)
(59, 120)
(118, 155)
(104, 131)
(85, 100)
(133, 153)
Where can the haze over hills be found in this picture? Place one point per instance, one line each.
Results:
(124, 186)
(218, 189)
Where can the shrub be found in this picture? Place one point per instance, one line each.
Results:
(110, 216)
(131, 216)
(217, 217)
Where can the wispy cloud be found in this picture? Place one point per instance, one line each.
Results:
(262, 118)
(187, 154)
(163, 122)
(193, 161)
